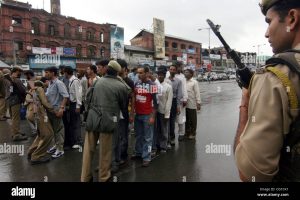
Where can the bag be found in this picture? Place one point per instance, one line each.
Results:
(13, 100)
(93, 120)
(101, 121)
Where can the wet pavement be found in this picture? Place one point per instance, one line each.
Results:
(188, 161)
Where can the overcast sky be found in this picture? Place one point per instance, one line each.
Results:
(242, 24)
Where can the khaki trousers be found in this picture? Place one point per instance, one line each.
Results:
(43, 140)
(105, 156)
(15, 118)
(3, 107)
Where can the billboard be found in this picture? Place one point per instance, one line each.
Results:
(159, 38)
(44, 61)
(117, 42)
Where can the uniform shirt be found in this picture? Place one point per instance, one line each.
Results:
(165, 97)
(56, 92)
(177, 88)
(145, 97)
(269, 119)
(75, 90)
(193, 94)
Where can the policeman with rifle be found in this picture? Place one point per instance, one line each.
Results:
(267, 146)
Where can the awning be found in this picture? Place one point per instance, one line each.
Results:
(4, 65)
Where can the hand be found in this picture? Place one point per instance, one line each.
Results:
(77, 110)
(60, 113)
(184, 103)
(198, 107)
(178, 111)
(151, 121)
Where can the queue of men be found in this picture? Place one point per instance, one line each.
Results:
(107, 99)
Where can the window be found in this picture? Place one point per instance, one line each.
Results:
(35, 26)
(91, 52)
(52, 44)
(36, 43)
(67, 30)
(78, 50)
(174, 45)
(183, 46)
(174, 57)
(16, 21)
(102, 51)
(78, 32)
(18, 45)
(101, 37)
(68, 45)
(166, 44)
(90, 34)
(51, 30)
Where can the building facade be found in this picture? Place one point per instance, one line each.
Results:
(176, 48)
(26, 31)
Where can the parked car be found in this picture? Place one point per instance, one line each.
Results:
(232, 76)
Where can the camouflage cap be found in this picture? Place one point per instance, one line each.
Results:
(265, 5)
(114, 65)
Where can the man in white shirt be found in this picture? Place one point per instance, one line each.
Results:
(181, 117)
(165, 98)
(73, 136)
(193, 104)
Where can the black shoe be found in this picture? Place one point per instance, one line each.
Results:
(123, 163)
(42, 160)
(112, 179)
(97, 169)
(114, 169)
(146, 163)
(135, 157)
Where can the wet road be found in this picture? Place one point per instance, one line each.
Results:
(190, 161)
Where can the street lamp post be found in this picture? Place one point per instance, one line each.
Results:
(200, 29)
(257, 56)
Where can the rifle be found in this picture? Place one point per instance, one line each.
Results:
(243, 74)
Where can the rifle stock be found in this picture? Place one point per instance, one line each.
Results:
(243, 73)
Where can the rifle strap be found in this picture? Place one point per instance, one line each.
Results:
(291, 92)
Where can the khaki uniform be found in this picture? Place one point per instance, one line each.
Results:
(108, 96)
(45, 132)
(269, 119)
(3, 107)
